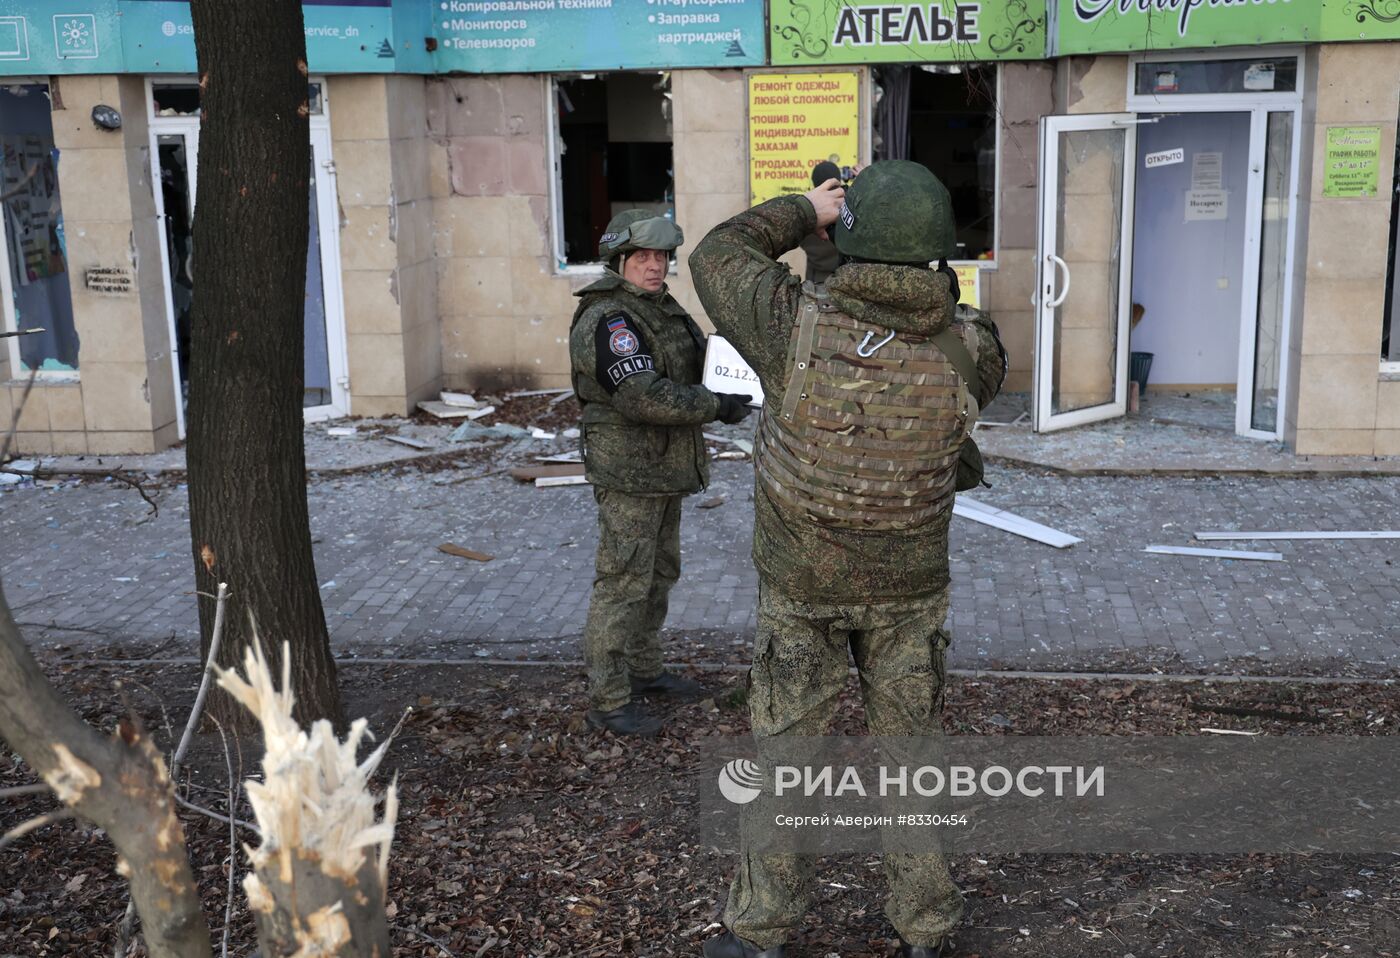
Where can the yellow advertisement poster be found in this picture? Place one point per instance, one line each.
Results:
(970, 285)
(797, 120)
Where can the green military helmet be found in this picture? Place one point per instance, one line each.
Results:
(638, 229)
(896, 211)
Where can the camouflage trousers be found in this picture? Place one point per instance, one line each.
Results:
(800, 664)
(639, 559)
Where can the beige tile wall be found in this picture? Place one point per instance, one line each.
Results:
(125, 386)
(1026, 95)
(382, 158)
(1343, 407)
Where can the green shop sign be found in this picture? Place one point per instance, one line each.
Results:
(1104, 26)
(1361, 19)
(881, 31)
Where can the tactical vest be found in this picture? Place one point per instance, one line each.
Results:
(870, 426)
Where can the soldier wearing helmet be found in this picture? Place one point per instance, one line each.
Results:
(872, 383)
(636, 360)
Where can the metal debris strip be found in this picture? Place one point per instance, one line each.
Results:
(547, 481)
(1225, 536)
(538, 392)
(1012, 523)
(1215, 553)
(22, 332)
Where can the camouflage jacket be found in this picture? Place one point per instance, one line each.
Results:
(636, 359)
(753, 301)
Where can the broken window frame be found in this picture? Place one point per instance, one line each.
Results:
(869, 123)
(554, 148)
(9, 322)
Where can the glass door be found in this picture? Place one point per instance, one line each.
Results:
(1084, 269)
(175, 166)
(326, 383)
(1264, 325)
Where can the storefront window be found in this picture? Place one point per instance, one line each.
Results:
(614, 142)
(37, 294)
(181, 98)
(1183, 77)
(945, 118)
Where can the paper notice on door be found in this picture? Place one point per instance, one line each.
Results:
(726, 371)
(1207, 205)
(1207, 171)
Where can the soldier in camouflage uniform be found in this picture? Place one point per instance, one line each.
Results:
(871, 384)
(636, 359)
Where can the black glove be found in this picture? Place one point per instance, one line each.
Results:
(733, 407)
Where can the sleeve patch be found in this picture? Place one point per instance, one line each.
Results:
(621, 351)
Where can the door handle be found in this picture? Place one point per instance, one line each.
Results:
(1056, 301)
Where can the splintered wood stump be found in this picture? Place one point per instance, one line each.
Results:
(301, 907)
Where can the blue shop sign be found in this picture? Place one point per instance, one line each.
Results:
(398, 36)
(552, 36)
(344, 36)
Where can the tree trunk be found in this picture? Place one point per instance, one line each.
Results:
(119, 784)
(247, 465)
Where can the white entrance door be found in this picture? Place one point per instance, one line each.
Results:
(327, 382)
(1084, 268)
(175, 168)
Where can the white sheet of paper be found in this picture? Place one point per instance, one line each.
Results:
(1207, 205)
(726, 371)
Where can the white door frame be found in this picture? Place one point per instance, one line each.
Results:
(1259, 105)
(329, 232)
(1050, 269)
(188, 127)
(328, 223)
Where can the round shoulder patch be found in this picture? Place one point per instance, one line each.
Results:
(623, 342)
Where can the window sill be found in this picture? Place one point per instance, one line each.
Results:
(1390, 372)
(51, 378)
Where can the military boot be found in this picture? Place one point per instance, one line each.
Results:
(730, 945)
(630, 719)
(907, 950)
(668, 683)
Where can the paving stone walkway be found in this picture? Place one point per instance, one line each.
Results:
(86, 570)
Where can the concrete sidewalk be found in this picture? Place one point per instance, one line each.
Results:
(90, 570)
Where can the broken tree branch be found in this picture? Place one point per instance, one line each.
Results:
(204, 682)
(119, 784)
(124, 929)
(118, 475)
(19, 791)
(33, 825)
(190, 806)
(232, 831)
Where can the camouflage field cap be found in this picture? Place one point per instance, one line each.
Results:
(638, 229)
(896, 211)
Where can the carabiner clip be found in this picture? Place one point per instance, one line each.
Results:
(865, 350)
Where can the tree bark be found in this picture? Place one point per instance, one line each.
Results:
(247, 465)
(119, 784)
